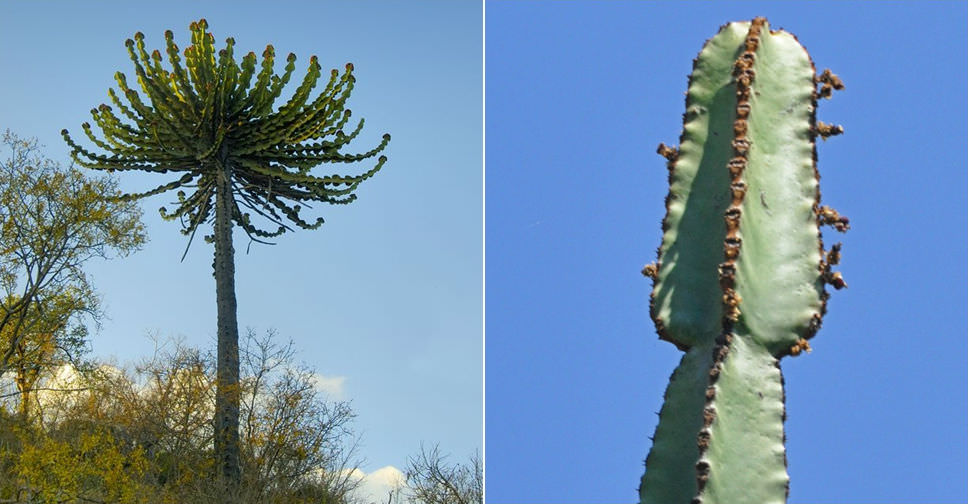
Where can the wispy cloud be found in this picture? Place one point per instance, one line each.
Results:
(332, 386)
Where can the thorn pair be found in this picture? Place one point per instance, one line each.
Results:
(800, 346)
(828, 130)
(829, 81)
(830, 217)
(670, 153)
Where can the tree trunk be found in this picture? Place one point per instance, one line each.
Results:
(24, 383)
(227, 382)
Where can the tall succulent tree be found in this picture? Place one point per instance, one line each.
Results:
(740, 281)
(212, 121)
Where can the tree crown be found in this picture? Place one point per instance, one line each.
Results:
(206, 118)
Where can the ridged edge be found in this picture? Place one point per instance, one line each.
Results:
(670, 440)
(672, 154)
(817, 319)
(744, 75)
(824, 214)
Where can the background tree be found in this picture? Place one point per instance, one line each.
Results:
(431, 480)
(210, 123)
(291, 436)
(144, 435)
(54, 336)
(52, 220)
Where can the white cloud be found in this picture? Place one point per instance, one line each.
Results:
(64, 386)
(329, 385)
(378, 485)
(66, 382)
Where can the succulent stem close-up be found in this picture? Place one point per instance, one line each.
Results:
(741, 271)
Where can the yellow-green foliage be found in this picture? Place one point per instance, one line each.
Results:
(144, 436)
(52, 220)
(94, 465)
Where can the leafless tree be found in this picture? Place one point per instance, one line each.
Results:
(291, 435)
(432, 481)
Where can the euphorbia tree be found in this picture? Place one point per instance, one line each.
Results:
(206, 120)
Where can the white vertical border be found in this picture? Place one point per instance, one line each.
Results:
(484, 246)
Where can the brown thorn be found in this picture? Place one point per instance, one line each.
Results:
(741, 146)
(670, 153)
(703, 440)
(736, 167)
(710, 394)
(829, 82)
(800, 346)
(739, 128)
(829, 216)
(828, 130)
(731, 301)
(831, 79)
(835, 279)
(816, 320)
(833, 255)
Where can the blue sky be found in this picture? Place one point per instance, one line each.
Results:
(388, 293)
(578, 95)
